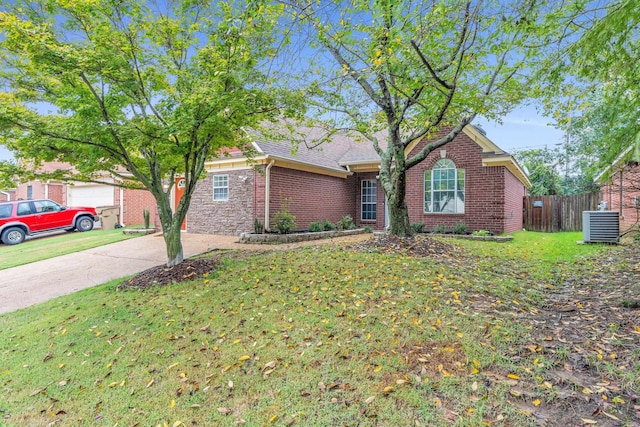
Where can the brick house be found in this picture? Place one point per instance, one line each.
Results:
(620, 188)
(131, 202)
(468, 180)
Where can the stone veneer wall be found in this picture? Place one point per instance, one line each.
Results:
(233, 216)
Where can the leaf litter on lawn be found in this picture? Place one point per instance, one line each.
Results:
(581, 360)
(584, 353)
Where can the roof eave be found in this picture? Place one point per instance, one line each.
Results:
(512, 166)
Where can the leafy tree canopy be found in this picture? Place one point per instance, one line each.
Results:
(398, 71)
(594, 89)
(143, 90)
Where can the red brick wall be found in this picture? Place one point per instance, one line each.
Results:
(311, 197)
(57, 193)
(489, 193)
(135, 202)
(621, 192)
(515, 192)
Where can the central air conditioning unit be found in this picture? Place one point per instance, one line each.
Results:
(600, 226)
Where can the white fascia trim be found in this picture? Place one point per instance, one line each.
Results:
(614, 163)
(309, 167)
(360, 162)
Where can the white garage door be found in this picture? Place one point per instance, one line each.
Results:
(90, 195)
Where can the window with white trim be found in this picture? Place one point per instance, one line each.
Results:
(368, 200)
(444, 188)
(220, 188)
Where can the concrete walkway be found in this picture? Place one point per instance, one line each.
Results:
(40, 281)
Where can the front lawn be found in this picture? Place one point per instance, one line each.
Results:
(324, 336)
(41, 248)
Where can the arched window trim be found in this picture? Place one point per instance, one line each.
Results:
(444, 188)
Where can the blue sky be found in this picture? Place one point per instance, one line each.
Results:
(523, 128)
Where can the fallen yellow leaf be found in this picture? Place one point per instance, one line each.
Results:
(536, 402)
(513, 376)
(243, 358)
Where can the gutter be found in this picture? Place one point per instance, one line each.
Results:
(267, 186)
(6, 194)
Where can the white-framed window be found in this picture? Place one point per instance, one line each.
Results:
(444, 188)
(368, 200)
(220, 188)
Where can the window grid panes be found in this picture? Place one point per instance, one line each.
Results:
(220, 187)
(444, 188)
(369, 200)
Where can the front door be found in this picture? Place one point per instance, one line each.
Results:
(179, 192)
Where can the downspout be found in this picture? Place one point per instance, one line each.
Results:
(6, 194)
(621, 214)
(267, 186)
(122, 206)
(46, 189)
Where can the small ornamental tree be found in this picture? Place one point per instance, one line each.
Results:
(146, 91)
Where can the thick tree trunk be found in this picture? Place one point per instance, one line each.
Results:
(398, 213)
(171, 224)
(173, 242)
(393, 176)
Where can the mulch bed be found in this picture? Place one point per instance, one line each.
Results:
(416, 246)
(161, 275)
(189, 269)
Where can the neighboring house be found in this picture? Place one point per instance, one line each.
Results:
(620, 188)
(131, 202)
(470, 180)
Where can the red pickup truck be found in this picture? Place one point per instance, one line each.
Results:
(21, 218)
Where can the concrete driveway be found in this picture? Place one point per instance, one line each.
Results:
(40, 281)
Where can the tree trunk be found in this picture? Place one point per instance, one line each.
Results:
(393, 176)
(173, 242)
(171, 224)
(398, 212)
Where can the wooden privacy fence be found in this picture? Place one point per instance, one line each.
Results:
(558, 213)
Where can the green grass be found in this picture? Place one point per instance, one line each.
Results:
(39, 249)
(309, 337)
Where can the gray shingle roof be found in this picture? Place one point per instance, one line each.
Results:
(317, 146)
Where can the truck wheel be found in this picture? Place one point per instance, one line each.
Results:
(84, 223)
(13, 236)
